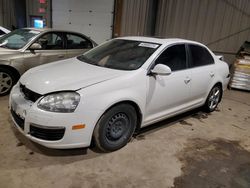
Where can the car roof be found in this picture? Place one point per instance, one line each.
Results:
(159, 40)
(50, 29)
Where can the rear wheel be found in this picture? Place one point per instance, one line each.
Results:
(115, 128)
(213, 99)
(7, 80)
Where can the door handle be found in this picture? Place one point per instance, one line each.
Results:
(187, 80)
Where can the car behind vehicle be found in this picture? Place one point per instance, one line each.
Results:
(25, 48)
(110, 91)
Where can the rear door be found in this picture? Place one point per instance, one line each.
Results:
(202, 65)
(77, 44)
(169, 94)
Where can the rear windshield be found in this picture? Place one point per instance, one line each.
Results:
(120, 54)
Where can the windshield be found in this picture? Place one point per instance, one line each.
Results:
(18, 38)
(120, 54)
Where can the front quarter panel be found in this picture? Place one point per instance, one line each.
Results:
(15, 63)
(100, 97)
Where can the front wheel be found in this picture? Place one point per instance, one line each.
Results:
(7, 80)
(115, 128)
(213, 99)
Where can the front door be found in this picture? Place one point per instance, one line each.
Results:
(53, 49)
(170, 93)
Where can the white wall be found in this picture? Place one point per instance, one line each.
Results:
(93, 18)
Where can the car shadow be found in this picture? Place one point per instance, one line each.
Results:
(92, 151)
(197, 113)
(29, 153)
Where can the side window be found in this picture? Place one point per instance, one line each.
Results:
(200, 56)
(174, 57)
(77, 42)
(51, 41)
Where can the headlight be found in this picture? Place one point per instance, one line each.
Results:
(60, 102)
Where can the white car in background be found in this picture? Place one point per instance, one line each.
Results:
(114, 89)
(3, 31)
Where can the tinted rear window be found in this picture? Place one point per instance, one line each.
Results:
(200, 56)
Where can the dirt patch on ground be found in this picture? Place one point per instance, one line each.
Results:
(183, 122)
(214, 164)
(200, 116)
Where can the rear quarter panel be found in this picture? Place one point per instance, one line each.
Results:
(222, 69)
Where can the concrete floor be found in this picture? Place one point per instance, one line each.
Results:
(192, 150)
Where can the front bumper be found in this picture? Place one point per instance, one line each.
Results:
(50, 129)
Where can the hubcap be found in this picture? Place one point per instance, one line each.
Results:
(214, 98)
(117, 127)
(5, 82)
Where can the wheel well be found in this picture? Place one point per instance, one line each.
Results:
(220, 85)
(137, 109)
(12, 69)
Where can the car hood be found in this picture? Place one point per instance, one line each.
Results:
(69, 74)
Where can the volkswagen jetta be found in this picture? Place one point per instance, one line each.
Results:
(114, 89)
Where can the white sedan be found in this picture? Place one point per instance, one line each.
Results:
(111, 91)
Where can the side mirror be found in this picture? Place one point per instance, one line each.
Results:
(35, 46)
(161, 69)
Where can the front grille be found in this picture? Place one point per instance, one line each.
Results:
(28, 94)
(19, 121)
(47, 133)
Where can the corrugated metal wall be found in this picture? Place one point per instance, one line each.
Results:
(137, 16)
(7, 17)
(223, 25)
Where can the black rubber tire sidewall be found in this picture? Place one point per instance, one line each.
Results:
(100, 139)
(13, 77)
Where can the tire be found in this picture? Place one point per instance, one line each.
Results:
(115, 128)
(213, 99)
(7, 80)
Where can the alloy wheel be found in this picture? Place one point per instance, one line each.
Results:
(214, 98)
(5, 82)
